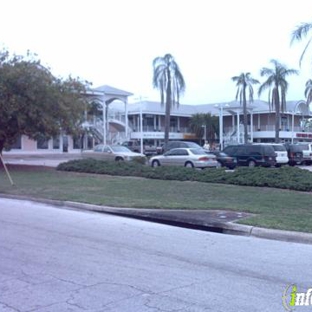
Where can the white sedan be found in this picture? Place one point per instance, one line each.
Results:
(187, 157)
(112, 152)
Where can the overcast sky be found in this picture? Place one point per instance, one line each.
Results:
(114, 42)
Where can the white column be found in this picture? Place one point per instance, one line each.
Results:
(104, 119)
(238, 132)
(61, 141)
(292, 127)
(221, 127)
(126, 121)
(141, 128)
(251, 126)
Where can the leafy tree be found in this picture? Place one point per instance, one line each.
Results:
(299, 33)
(168, 79)
(277, 84)
(35, 103)
(243, 82)
(205, 124)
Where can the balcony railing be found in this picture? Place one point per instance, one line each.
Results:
(270, 128)
(161, 129)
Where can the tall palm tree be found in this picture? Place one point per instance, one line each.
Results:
(299, 33)
(308, 91)
(243, 82)
(168, 79)
(277, 84)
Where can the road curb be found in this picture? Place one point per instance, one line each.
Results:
(143, 214)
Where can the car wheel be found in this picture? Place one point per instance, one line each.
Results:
(251, 164)
(155, 163)
(189, 165)
(119, 159)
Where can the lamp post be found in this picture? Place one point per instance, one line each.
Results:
(293, 113)
(140, 98)
(205, 132)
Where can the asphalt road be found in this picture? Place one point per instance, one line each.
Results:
(55, 260)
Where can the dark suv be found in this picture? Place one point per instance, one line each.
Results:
(295, 154)
(252, 154)
(177, 144)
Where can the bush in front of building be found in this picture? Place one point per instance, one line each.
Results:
(286, 177)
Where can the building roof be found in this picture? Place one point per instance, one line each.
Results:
(112, 91)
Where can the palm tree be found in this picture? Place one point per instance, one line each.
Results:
(196, 124)
(277, 84)
(299, 33)
(205, 125)
(244, 81)
(308, 91)
(168, 79)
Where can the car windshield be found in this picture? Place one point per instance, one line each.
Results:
(268, 149)
(279, 148)
(119, 149)
(304, 146)
(297, 148)
(222, 154)
(192, 145)
(197, 151)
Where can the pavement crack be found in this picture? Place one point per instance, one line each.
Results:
(76, 305)
(68, 281)
(6, 306)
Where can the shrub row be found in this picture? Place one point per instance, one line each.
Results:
(291, 178)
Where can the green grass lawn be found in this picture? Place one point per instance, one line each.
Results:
(274, 208)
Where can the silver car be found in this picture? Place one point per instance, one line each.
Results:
(187, 157)
(112, 152)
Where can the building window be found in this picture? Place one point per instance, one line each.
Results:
(78, 141)
(42, 143)
(18, 143)
(173, 122)
(284, 123)
(56, 142)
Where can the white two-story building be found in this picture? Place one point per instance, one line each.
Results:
(115, 120)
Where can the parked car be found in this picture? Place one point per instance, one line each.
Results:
(307, 152)
(281, 153)
(135, 146)
(252, 154)
(187, 157)
(112, 152)
(179, 144)
(295, 154)
(224, 159)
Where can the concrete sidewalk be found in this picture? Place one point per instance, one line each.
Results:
(39, 159)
